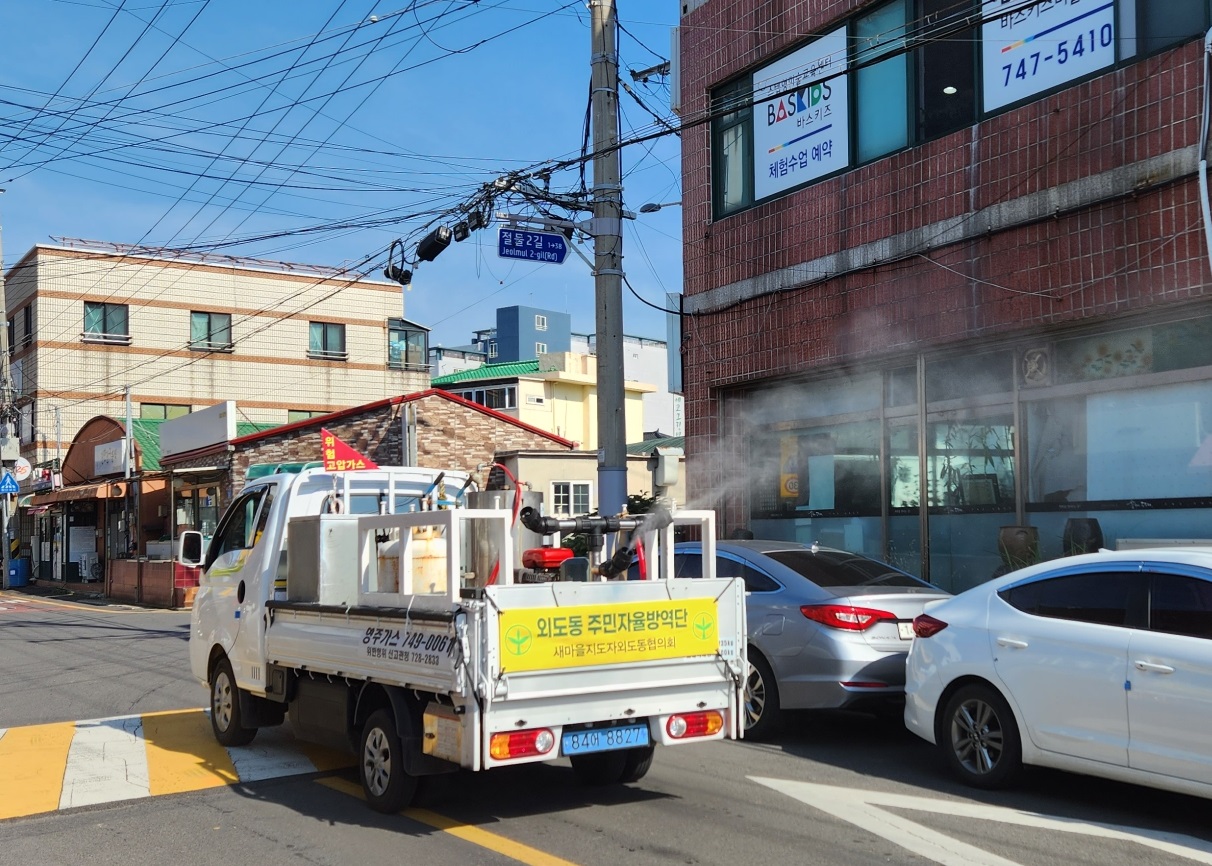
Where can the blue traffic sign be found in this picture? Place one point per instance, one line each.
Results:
(9, 484)
(532, 246)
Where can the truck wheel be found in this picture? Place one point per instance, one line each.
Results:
(387, 787)
(600, 768)
(638, 763)
(762, 711)
(225, 718)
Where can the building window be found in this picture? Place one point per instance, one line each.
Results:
(732, 146)
(501, 397)
(326, 341)
(540, 323)
(162, 411)
(407, 346)
(1161, 25)
(492, 348)
(293, 415)
(210, 331)
(28, 315)
(880, 86)
(945, 64)
(570, 497)
(106, 323)
(540, 349)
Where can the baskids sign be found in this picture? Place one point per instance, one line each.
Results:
(803, 132)
(538, 639)
(1029, 48)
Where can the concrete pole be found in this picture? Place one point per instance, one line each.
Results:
(6, 425)
(608, 258)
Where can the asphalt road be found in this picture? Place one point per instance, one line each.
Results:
(833, 789)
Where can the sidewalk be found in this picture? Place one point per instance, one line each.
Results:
(75, 590)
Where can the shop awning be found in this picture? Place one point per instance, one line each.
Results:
(100, 490)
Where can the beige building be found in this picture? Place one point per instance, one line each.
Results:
(556, 392)
(88, 322)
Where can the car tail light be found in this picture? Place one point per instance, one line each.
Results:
(924, 625)
(846, 616)
(521, 744)
(703, 724)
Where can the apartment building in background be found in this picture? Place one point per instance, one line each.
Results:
(90, 323)
(947, 276)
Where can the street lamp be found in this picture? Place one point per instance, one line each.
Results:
(653, 207)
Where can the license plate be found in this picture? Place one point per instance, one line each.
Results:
(605, 739)
(906, 630)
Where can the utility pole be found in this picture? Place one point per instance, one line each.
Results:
(608, 258)
(6, 420)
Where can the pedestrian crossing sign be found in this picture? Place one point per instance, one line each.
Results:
(9, 484)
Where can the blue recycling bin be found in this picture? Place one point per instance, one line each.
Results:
(18, 571)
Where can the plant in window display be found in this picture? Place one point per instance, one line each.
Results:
(975, 466)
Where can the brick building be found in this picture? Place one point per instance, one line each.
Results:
(446, 432)
(946, 272)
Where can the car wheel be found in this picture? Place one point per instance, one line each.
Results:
(225, 718)
(387, 786)
(638, 763)
(980, 739)
(599, 768)
(762, 712)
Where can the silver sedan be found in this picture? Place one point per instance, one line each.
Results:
(828, 629)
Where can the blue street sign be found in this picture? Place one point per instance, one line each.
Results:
(532, 246)
(9, 484)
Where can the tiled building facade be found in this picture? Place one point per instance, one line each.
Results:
(957, 316)
(184, 332)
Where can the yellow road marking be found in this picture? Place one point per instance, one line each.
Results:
(52, 602)
(26, 788)
(183, 755)
(466, 832)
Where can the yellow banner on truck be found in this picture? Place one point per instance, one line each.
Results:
(547, 638)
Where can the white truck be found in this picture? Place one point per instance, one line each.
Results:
(389, 620)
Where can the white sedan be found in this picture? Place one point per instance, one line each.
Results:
(1098, 664)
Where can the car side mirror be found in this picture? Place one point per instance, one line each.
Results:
(189, 548)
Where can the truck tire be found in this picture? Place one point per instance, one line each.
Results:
(600, 768)
(387, 786)
(225, 718)
(638, 763)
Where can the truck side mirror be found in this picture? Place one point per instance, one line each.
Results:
(189, 548)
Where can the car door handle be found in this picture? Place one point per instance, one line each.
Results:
(1152, 668)
(1012, 643)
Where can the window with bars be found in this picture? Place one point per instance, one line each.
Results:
(210, 331)
(326, 341)
(106, 323)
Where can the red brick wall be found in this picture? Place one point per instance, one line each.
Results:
(1108, 260)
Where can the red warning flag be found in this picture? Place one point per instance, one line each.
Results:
(339, 456)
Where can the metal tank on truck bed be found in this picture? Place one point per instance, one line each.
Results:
(389, 620)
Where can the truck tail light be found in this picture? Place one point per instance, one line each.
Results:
(521, 744)
(704, 724)
(846, 616)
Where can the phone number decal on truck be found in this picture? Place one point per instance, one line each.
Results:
(565, 637)
(409, 645)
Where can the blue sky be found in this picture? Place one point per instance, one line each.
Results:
(305, 131)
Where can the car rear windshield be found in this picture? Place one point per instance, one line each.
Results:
(836, 568)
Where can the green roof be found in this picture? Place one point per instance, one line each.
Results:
(647, 445)
(507, 370)
(147, 435)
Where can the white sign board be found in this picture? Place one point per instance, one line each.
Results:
(109, 458)
(213, 425)
(805, 133)
(22, 469)
(1039, 46)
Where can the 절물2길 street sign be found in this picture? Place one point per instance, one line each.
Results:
(532, 246)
